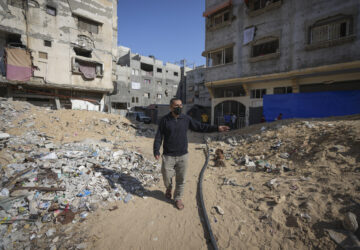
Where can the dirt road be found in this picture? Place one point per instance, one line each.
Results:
(152, 223)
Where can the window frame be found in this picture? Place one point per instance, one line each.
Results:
(211, 19)
(210, 61)
(257, 93)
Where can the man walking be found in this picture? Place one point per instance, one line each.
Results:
(173, 131)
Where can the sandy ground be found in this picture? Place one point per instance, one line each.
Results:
(323, 183)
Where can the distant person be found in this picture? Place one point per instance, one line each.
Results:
(262, 119)
(279, 117)
(172, 130)
(204, 118)
(233, 121)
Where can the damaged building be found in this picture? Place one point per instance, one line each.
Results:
(142, 81)
(58, 53)
(198, 99)
(265, 47)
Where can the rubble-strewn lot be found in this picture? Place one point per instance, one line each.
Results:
(287, 185)
(59, 166)
(292, 184)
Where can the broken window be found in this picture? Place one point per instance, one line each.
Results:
(43, 55)
(265, 48)
(159, 82)
(331, 29)
(82, 52)
(257, 93)
(88, 25)
(283, 90)
(159, 70)
(119, 105)
(219, 18)
(260, 4)
(148, 68)
(220, 57)
(89, 69)
(158, 96)
(47, 43)
(14, 40)
(17, 3)
(176, 73)
(147, 95)
(51, 10)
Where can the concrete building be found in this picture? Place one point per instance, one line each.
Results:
(198, 98)
(66, 49)
(258, 47)
(141, 81)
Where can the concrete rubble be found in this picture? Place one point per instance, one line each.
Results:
(48, 184)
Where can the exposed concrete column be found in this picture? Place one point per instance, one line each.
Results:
(295, 85)
(212, 111)
(57, 100)
(9, 93)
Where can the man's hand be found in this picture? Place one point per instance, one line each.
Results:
(223, 128)
(157, 157)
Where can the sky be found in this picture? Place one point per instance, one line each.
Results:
(171, 30)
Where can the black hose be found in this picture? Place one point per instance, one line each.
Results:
(207, 222)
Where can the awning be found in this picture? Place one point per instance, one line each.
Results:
(217, 8)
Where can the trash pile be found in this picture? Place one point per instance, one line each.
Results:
(289, 184)
(46, 184)
(51, 183)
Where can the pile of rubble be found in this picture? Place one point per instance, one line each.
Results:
(62, 183)
(45, 184)
(298, 178)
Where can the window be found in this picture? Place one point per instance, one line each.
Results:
(257, 93)
(89, 69)
(159, 70)
(219, 19)
(265, 48)
(119, 105)
(158, 96)
(133, 99)
(137, 99)
(51, 10)
(147, 81)
(147, 95)
(283, 90)
(88, 25)
(159, 82)
(133, 72)
(260, 4)
(176, 73)
(47, 43)
(331, 29)
(43, 55)
(220, 57)
(17, 3)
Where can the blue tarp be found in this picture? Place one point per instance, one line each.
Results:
(312, 105)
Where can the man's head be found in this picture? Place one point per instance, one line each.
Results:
(176, 106)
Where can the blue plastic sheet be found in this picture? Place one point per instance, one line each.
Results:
(312, 105)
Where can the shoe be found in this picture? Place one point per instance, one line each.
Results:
(168, 193)
(179, 205)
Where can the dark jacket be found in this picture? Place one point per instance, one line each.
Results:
(174, 133)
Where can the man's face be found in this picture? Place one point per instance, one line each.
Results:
(175, 104)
